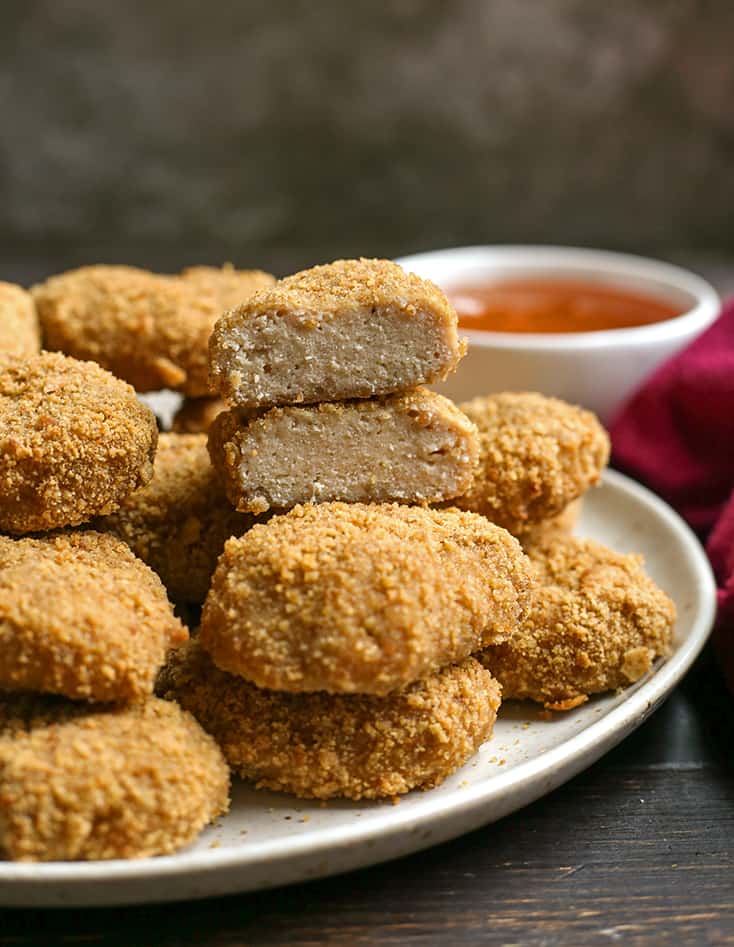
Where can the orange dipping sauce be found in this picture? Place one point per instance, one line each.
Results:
(550, 305)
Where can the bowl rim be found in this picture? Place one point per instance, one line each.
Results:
(603, 263)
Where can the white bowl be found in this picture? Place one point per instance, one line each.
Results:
(598, 370)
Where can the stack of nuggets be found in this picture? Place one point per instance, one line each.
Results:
(334, 652)
(333, 657)
(325, 373)
(92, 765)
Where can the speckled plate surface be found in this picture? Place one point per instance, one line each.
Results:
(270, 839)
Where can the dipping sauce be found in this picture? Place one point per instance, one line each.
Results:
(550, 305)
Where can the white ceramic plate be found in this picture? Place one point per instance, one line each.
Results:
(270, 839)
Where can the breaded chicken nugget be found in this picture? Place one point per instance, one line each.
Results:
(179, 522)
(359, 598)
(596, 623)
(19, 332)
(74, 441)
(412, 447)
(561, 525)
(196, 415)
(87, 782)
(537, 454)
(148, 328)
(325, 745)
(81, 616)
(350, 329)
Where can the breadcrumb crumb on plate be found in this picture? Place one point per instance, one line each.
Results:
(270, 838)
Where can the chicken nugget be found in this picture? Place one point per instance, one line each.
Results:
(80, 781)
(179, 522)
(81, 616)
(19, 332)
(349, 329)
(74, 441)
(196, 415)
(536, 455)
(150, 329)
(596, 623)
(361, 598)
(320, 745)
(412, 447)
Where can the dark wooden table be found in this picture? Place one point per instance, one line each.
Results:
(639, 849)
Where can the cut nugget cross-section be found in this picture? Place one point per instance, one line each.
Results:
(349, 329)
(413, 447)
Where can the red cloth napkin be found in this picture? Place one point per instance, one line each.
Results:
(677, 435)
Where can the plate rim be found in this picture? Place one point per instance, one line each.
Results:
(581, 749)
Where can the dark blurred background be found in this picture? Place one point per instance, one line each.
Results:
(281, 133)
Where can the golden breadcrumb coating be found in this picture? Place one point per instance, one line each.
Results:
(179, 522)
(148, 328)
(596, 623)
(537, 454)
(80, 781)
(561, 525)
(361, 598)
(196, 415)
(74, 441)
(81, 616)
(19, 332)
(324, 745)
(413, 447)
(349, 329)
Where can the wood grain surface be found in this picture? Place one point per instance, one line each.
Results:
(637, 850)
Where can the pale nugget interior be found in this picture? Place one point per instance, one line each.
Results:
(270, 359)
(415, 447)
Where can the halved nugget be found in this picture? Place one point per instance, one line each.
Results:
(360, 598)
(74, 441)
(349, 329)
(179, 522)
(536, 455)
(596, 623)
(19, 332)
(325, 745)
(148, 328)
(81, 616)
(95, 782)
(413, 447)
